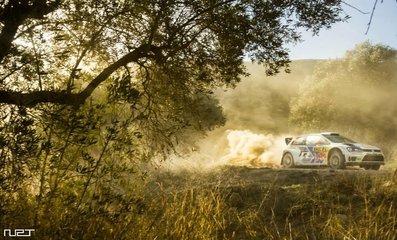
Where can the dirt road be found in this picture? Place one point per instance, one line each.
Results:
(244, 176)
(284, 176)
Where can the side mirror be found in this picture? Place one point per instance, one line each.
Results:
(288, 140)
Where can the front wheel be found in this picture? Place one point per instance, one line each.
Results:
(288, 160)
(336, 160)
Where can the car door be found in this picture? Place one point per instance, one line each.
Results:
(318, 147)
(299, 151)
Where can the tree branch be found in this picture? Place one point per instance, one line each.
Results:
(370, 19)
(15, 13)
(33, 98)
(355, 8)
(6, 36)
(63, 97)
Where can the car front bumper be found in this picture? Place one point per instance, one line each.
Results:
(364, 159)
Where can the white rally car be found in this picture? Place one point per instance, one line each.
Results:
(330, 149)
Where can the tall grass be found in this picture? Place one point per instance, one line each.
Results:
(348, 207)
(343, 207)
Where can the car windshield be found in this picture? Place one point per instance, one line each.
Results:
(338, 139)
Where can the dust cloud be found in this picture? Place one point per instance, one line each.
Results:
(253, 150)
(260, 103)
(257, 113)
(233, 148)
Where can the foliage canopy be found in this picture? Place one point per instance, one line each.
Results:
(61, 51)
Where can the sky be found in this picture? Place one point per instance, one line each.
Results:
(333, 43)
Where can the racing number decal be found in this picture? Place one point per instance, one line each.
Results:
(314, 154)
(320, 153)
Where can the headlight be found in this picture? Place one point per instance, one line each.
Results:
(353, 149)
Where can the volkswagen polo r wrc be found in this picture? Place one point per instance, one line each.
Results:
(330, 149)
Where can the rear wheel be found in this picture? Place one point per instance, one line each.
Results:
(288, 160)
(336, 160)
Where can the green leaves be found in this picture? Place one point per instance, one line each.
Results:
(122, 89)
(210, 38)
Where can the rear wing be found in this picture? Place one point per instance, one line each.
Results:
(288, 140)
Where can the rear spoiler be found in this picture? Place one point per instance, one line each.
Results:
(288, 140)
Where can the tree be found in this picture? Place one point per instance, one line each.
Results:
(61, 51)
(353, 95)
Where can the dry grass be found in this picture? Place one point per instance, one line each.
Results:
(209, 206)
(350, 207)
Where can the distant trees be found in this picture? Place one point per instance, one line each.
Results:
(354, 95)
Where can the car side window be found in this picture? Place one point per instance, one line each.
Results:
(299, 141)
(316, 140)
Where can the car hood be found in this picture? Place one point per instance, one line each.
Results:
(361, 145)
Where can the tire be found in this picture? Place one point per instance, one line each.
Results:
(288, 160)
(336, 160)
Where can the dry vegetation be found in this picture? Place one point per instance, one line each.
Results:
(242, 203)
(239, 203)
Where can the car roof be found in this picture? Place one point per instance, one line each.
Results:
(330, 133)
(322, 133)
